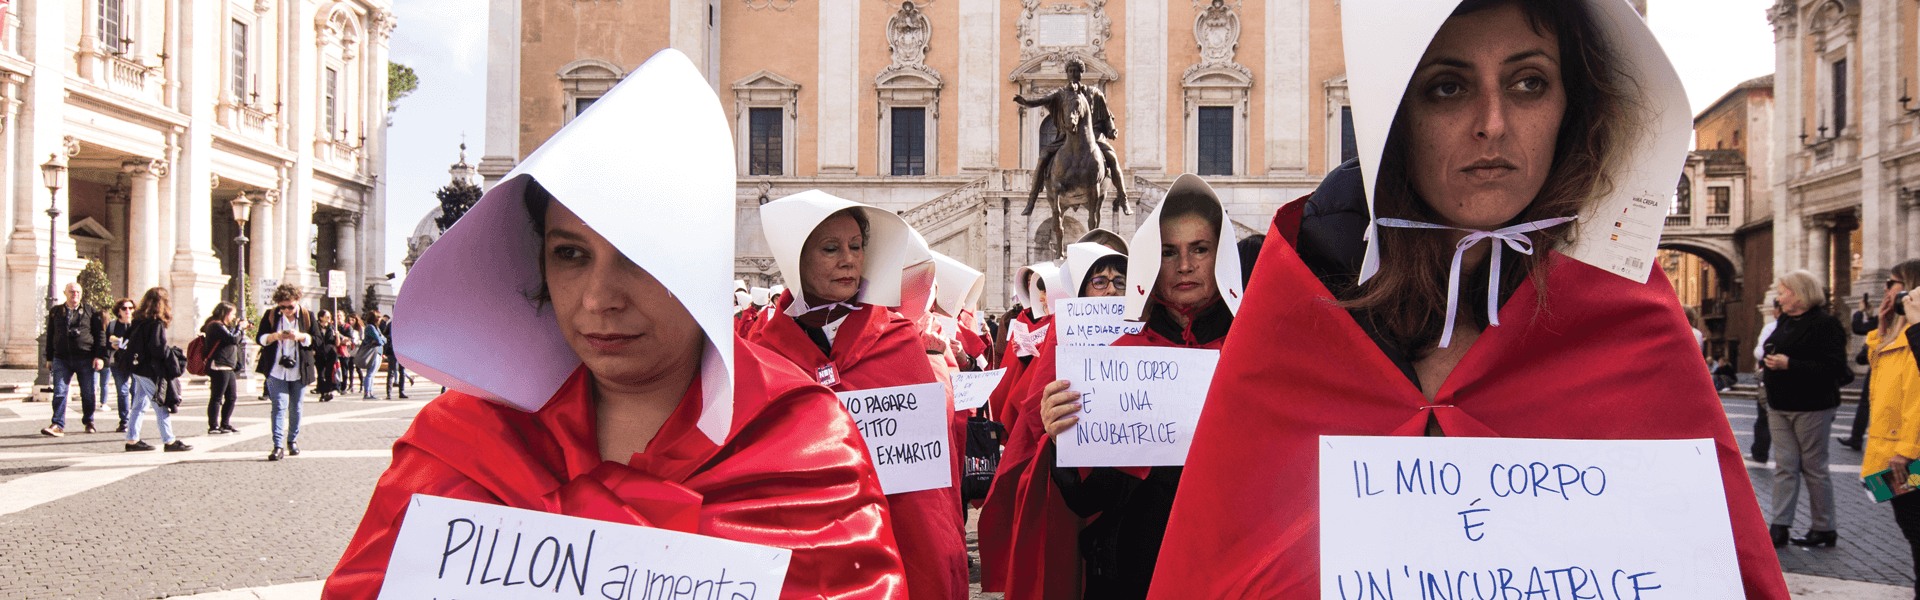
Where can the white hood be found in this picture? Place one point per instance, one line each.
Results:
(957, 286)
(1143, 266)
(917, 278)
(761, 296)
(1026, 292)
(1080, 259)
(655, 150)
(1645, 166)
(788, 221)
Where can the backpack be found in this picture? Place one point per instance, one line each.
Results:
(198, 352)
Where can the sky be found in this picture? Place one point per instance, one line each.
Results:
(1714, 44)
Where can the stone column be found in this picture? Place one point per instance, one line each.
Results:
(1788, 115)
(1146, 88)
(116, 263)
(503, 91)
(347, 249)
(1912, 205)
(143, 223)
(980, 96)
(838, 140)
(260, 247)
(1288, 118)
(1819, 242)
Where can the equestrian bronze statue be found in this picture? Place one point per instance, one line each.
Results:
(1077, 157)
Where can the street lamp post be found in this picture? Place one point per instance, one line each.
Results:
(242, 208)
(54, 173)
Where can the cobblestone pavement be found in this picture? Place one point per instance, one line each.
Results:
(1871, 548)
(80, 518)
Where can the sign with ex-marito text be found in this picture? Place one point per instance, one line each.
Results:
(475, 551)
(1091, 321)
(906, 432)
(1138, 404)
(971, 388)
(1442, 517)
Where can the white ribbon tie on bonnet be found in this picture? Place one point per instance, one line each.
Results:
(1514, 236)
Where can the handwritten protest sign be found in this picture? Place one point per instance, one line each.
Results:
(971, 388)
(1091, 321)
(1138, 405)
(474, 551)
(906, 432)
(1523, 518)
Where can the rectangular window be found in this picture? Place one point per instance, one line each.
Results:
(330, 102)
(239, 67)
(1216, 140)
(1839, 96)
(1349, 146)
(580, 105)
(112, 32)
(1719, 200)
(765, 141)
(909, 141)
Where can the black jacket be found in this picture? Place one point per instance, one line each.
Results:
(1815, 345)
(1120, 546)
(76, 333)
(269, 353)
(225, 345)
(122, 357)
(147, 343)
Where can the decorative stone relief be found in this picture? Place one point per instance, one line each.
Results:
(1063, 27)
(773, 4)
(269, 196)
(383, 23)
(908, 33)
(214, 181)
(1217, 28)
(70, 146)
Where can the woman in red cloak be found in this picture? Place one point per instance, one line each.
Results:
(593, 368)
(1187, 295)
(846, 261)
(1519, 116)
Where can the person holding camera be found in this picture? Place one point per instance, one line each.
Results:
(1895, 388)
(1806, 360)
(286, 358)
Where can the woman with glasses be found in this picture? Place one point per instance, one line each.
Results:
(286, 359)
(223, 330)
(121, 367)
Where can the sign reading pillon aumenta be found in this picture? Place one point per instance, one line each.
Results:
(1091, 321)
(1138, 404)
(1519, 519)
(906, 432)
(475, 551)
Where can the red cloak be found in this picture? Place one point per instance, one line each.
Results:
(1607, 358)
(877, 348)
(792, 473)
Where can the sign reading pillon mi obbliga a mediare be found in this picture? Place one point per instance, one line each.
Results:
(475, 551)
(907, 436)
(1431, 517)
(1139, 405)
(1091, 321)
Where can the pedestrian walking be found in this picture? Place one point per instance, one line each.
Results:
(397, 378)
(349, 341)
(1806, 358)
(367, 358)
(223, 330)
(1865, 321)
(156, 368)
(75, 346)
(120, 363)
(326, 336)
(1892, 442)
(1762, 434)
(286, 359)
(623, 393)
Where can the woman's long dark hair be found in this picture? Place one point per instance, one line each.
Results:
(155, 304)
(1406, 299)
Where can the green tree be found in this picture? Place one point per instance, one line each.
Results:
(95, 290)
(370, 301)
(401, 81)
(455, 199)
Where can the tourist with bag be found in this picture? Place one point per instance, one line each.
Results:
(222, 334)
(367, 358)
(155, 366)
(325, 336)
(121, 368)
(286, 358)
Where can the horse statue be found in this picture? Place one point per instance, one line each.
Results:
(1073, 166)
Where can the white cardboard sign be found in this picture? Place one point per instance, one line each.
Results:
(906, 432)
(1520, 518)
(475, 551)
(1138, 404)
(971, 388)
(1091, 321)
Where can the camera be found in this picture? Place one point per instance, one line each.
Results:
(1899, 305)
(287, 361)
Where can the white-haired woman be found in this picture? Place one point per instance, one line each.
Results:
(1806, 360)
